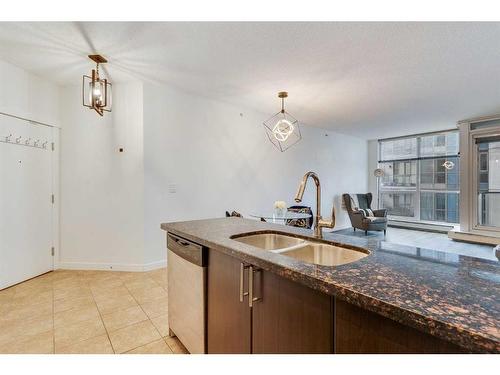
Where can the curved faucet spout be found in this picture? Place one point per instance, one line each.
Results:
(303, 183)
(318, 220)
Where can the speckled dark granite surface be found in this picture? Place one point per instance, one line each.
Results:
(453, 297)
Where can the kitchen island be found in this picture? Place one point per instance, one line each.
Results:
(396, 299)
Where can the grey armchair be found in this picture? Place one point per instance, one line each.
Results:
(358, 217)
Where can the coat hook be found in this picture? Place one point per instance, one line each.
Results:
(18, 139)
(27, 142)
(7, 138)
(44, 144)
(36, 143)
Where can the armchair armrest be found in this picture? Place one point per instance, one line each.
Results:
(357, 218)
(380, 213)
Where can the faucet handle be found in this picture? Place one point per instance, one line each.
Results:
(322, 223)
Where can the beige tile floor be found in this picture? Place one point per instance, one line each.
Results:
(88, 312)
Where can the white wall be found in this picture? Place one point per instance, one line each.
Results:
(102, 194)
(218, 160)
(215, 159)
(25, 95)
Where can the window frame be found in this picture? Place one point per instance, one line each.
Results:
(418, 190)
(474, 153)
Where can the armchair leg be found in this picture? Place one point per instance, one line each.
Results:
(354, 229)
(385, 231)
(366, 233)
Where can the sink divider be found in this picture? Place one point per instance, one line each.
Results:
(289, 248)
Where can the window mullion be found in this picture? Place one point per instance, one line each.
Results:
(417, 187)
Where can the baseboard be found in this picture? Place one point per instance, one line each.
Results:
(474, 237)
(110, 266)
(426, 227)
(155, 265)
(347, 226)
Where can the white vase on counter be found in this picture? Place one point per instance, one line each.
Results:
(279, 208)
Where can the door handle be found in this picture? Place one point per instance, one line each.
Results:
(243, 267)
(179, 241)
(251, 298)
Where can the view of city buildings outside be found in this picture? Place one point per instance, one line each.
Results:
(421, 177)
(489, 182)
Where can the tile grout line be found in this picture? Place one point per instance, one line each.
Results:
(128, 325)
(82, 281)
(102, 320)
(53, 318)
(147, 317)
(163, 337)
(66, 310)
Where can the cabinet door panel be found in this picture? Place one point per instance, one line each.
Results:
(290, 317)
(229, 320)
(358, 331)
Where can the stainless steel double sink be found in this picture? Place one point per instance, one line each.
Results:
(305, 250)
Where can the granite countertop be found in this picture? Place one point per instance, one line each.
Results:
(451, 296)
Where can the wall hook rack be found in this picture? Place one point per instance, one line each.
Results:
(27, 142)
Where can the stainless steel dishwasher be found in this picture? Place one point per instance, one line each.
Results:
(187, 281)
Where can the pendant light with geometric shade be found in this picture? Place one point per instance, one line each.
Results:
(96, 91)
(282, 129)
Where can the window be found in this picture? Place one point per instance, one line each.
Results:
(438, 145)
(434, 175)
(399, 173)
(398, 149)
(399, 203)
(421, 177)
(483, 167)
(488, 189)
(441, 207)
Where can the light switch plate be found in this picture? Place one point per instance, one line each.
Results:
(172, 188)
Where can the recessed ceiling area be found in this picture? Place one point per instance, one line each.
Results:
(370, 80)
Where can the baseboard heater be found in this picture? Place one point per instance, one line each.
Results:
(427, 227)
(474, 237)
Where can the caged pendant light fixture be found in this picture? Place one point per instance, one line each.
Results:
(282, 129)
(96, 92)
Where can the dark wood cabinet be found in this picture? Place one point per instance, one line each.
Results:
(290, 317)
(286, 317)
(358, 331)
(228, 319)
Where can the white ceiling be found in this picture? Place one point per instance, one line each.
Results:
(370, 80)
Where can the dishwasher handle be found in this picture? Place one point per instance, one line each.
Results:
(188, 250)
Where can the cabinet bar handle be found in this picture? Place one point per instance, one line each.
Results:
(242, 281)
(251, 298)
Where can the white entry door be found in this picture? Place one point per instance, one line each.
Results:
(25, 200)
